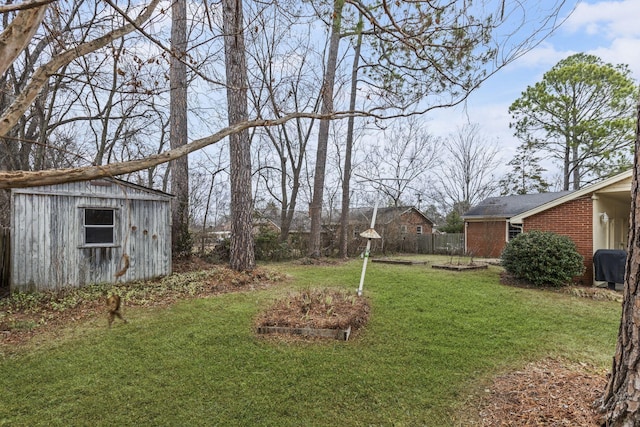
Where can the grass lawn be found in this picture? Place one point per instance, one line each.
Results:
(433, 339)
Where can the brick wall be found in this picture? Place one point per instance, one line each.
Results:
(486, 239)
(412, 219)
(574, 220)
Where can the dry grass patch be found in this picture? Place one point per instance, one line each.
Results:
(317, 308)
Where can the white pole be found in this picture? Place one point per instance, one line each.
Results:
(366, 252)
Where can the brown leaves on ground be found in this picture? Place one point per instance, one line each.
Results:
(25, 316)
(317, 308)
(546, 393)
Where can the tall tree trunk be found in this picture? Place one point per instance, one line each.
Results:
(566, 168)
(576, 167)
(242, 251)
(323, 131)
(180, 236)
(621, 400)
(346, 178)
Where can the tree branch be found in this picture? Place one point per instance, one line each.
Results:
(15, 38)
(11, 116)
(20, 179)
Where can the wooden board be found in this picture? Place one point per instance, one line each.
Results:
(339, 334)
(399, 261)
(460, 267)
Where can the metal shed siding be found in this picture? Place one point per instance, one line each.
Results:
(48, 250)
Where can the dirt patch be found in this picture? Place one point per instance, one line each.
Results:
(318, 309)
(545, 393)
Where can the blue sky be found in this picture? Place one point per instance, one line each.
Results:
(608, 29)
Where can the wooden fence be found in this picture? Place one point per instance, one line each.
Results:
(443, 244)
(5, 240)
(447, 244)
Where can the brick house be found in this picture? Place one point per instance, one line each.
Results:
(400, 227)
(594, 217)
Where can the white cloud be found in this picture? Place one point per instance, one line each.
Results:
(619, 53)
(545, 56)
(608, 19)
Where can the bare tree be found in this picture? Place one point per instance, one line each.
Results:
(398, 41)
(467, 173)
(18, 33)
(283, 79)
(38, 79)
(407, 156)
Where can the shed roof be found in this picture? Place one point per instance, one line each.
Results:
(101, 187)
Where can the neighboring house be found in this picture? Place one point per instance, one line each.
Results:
(401, 227)
(594, 217)
(260, 225)
(75, 234)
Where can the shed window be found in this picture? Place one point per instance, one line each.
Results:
(419, 229)
(99, 226)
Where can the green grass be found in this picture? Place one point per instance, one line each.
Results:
(432, 340)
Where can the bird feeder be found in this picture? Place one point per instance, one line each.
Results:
(368, 234)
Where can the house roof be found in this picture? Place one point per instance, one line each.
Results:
(508, 206)
(517, 208)
(383, 215)
(589, 189)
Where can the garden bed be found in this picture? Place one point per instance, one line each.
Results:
(321, 313)
(398, 261)
(339, 334)
(460, 267)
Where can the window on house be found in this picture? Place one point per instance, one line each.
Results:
(419, 229)
(403, 229)
(99, 226)
(514, 230)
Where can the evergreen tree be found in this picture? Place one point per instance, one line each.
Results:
(525, 176)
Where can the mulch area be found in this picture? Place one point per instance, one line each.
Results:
(545, 393)
(549, 392)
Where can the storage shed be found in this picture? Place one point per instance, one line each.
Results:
(74, 234)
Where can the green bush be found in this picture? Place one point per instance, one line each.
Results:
(543, 258)
(268, 246)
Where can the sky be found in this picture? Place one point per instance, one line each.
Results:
(605, 28)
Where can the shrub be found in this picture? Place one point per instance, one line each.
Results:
(268, 246)
(543, 258)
